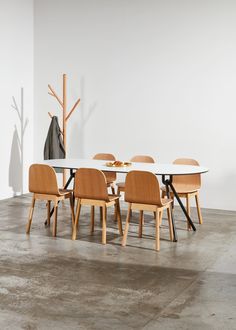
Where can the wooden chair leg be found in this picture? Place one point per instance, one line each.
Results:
(119, 217)
(104, 225)
(157, 245)
(163, 194)
(100, 208)
(169, 214)
(31, 211)
(188, 210)
(140, 231)
(115, 214)
(114, 192)
(118, 191)
(113, 189)
(54, 233)
(72, 210)
(173, 202)
(92, 219)
(126, 225)
(160, 217)
(198, 209)
(154, 215)
(48, 212)
(75, 228)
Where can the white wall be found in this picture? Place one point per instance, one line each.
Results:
(155, 77)
(16, 81)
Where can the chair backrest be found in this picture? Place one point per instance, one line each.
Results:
(110, 176)
(194, 180)
(142, 159)
(103, 156)
(142, 187)
(43, 180)
(90, 183)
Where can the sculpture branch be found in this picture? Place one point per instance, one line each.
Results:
(15, 107)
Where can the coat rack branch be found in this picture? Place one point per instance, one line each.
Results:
(71, 111)
(53, 93)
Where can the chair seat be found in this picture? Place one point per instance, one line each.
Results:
(109, 182)
(166, 201)
(151, 207)
(113, 197)
(65, 192)
(182, 189)
(120, 184)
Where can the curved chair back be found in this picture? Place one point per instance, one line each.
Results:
(193, 180)
(110, 176)
(142, 159)
(90, 183)
(43, 180)
(103, 156)
(142, 187)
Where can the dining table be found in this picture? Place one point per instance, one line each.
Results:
(165, 171)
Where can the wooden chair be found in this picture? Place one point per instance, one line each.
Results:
(91, 189)
(110, 176)
(43, 185)
(137, 159)
(142, 192)
(187, 186)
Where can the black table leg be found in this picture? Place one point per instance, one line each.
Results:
(181, 205)
(166, 183)
(72, 174)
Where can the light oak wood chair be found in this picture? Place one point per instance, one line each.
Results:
(91, 189)
(110, 176)
(43, 185)
(187, 186)
(135, 159)
(142, 192)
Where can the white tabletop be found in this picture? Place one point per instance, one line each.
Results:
(156, 168)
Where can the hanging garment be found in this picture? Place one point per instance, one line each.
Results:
(54, 147)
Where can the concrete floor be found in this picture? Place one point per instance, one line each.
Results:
(48, 283)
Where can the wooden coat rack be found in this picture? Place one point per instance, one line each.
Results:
(65, 114)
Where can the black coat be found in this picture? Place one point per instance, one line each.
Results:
(54, 147)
